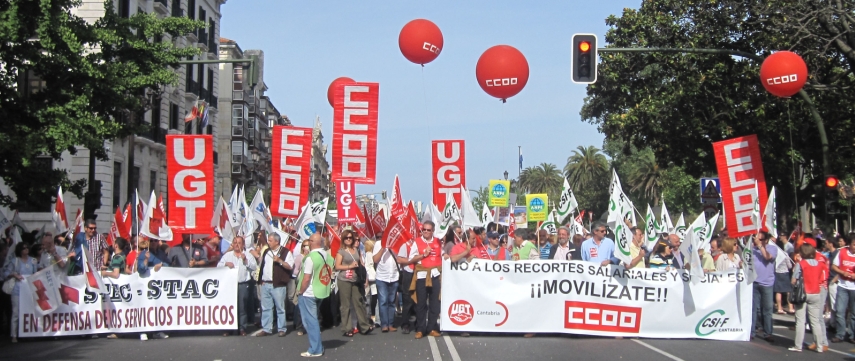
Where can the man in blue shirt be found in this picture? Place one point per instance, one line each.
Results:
(599, 249)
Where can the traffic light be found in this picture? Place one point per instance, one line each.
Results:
(832, 196)
(583, 59)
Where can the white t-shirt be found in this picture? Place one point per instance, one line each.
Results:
(846, 284)
(412, 253)
(47, 259)
(308, 268)
(267, 272)
(387, 268)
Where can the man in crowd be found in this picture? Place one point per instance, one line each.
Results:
(428, 285)
(495, 251)
(314, 286)
(276, 265)
(844, 266)
(524, 248)
(212, 250)
(52, 254)
(473, 247)
(544, 244)
(599, 249)
(714, 248)
(237, 258)
(563, 248)
(764, 254)
(833, 279)
(636, 249)
(186, 255)
(407, 259)
(386, 279)
(94, 242)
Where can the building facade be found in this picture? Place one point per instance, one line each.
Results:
(322, 186)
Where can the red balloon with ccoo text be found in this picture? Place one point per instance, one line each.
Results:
(420, 41)
(783, 73)
(335, 82)
(502, 71)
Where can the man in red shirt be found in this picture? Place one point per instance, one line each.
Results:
(212, 250)
(428, 284)
(472, 248)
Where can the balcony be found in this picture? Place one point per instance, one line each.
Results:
(192, 91)
(161, 7)
(155, 134)
(212, 44)
(191, 37)
(202, 42)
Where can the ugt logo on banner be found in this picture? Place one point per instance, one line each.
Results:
(346, 200)
(739, 167)
(292, 155)
(449, 170)
(355, 117)
(190, 178)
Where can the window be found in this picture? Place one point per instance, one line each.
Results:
(200, 75)
(174, 115)
(155, 114)
(237, 79)
(117, 183)
(124, 9)
(189, 74)
(176, 8)
(212, 26)
(238, 115)
(191, 9)
(135, 178)
(210, 130)
(211, 87)
(152, 180)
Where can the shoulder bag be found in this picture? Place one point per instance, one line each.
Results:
(798, 296)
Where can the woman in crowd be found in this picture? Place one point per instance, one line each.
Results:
(813, 274)
(23, 265)
(663, 257)
(728, 260)
(351, 294)
(782, 286)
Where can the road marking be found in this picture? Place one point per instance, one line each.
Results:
(668, 355)
(256, 332)
(454, 355)
(434, 349)
(829, 348)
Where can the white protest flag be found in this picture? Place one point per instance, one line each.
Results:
(651, 229)
(248, 222)
(451, 212)
(770, 215)
(60, 218)
(470, 216)
(566, 202)
(91, 274)
(44, 289)
(4, 222)
(305, 223)
(680, 228)
(258, 211)
(222, 221)
(690, 247)
(620, 210)
(549, 225)
(706, 234)
(16, 219)
(154, 222)
(234, 208)
(665, 225)
(579, 225)
(615, 193)
(756, 213)
(442, 224)
(748, 260)
(319, 210)
(486, 216)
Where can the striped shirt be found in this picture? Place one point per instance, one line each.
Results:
(544, 252)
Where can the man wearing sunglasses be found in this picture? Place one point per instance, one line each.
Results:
(599, 249)
(427, 284)
(94, 242)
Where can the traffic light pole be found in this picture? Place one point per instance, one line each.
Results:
(820, 125)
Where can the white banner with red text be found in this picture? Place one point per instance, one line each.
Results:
(169, 299)
(586, 298)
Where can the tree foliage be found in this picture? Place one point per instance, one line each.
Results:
(543, 178)
(588, 173)
(678, 104)
(97, 77)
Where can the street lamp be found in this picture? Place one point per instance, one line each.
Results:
(506, 175)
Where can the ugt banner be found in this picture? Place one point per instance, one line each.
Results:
(585, 298)
(345, 196)
(190, 179)
(292, 156)
(739, 167)
(449, 170)
(500, 193)
(168, 299)
(355, 119)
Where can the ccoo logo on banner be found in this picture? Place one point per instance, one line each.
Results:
(190, 178)
(292, 156)
(449, 170)
(355, 120)
(739, 167)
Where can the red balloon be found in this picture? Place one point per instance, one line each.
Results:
(335, 82)
(502, 71)
(420, 41)
(783, 73)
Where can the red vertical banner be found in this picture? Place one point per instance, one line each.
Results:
(354, 145)
(449, 170)
(346, 201)
(739, 167)
(291, 163)
(190, 178)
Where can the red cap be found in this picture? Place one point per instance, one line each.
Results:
(811, 242)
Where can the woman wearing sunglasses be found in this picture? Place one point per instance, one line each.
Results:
(663, 257)
(351, 289)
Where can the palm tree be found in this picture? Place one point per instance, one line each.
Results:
(544, 178)
(586, 168)
(646, 177)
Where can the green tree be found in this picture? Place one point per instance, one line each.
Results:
(543, 178)
(95, 81)
(587, 171)
(678, 104)
(482, 194)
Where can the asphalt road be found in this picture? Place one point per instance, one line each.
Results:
(397, 347)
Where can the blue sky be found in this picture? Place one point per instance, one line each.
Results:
(308, 44)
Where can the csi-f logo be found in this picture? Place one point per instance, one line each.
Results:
(499, 191)
(460, 312)
(501, 82)
(782, 79)
(431, 48)
(714, 321)
(536, 205)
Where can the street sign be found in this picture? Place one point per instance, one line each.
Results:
(710, 189)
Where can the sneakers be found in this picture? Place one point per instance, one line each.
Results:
(161, 336)
(143, 337)
(795, 349)
(308, 354)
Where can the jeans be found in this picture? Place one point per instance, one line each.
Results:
(244, 303)
(309, 313)
(406, 300)
(272, 297)
(13, 324)
(252, 307)
(813, 307)
(386, 294)
(845, 301)
(428, 306)
(832, 299)
(764, 300)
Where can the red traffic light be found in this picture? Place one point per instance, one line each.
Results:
(584, 46)
(831, 181)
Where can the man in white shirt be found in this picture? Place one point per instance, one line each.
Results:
(387, 285)
(276, 265)
(407, 259)
(52, 254)
(237, 258)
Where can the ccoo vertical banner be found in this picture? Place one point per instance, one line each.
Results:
(355, 119)
(292, 155)
(449, 170)
(190, 178)
(345, 196)
(739, 167)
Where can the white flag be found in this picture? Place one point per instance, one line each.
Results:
(690, 247)
(549, 225)
(486, 216)
(470, 216)
(154, 223)
(770, 215)
(258, 211)
(306, 223)
(566, 202)
(44, 289)
(92, 276)
(451, 210)
(442, 224)
(705, 235)
(248, 221)
(60, 219)
(651, 229)
(665, 225)
(680, 228)
(16, 219)
(319, 210)
(222, 221)
(756, 213)
(576, 227)
(234, 207)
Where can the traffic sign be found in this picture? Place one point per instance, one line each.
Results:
(710, 189)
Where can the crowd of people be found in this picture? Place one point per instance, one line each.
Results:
(365, 285)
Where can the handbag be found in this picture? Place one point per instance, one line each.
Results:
(360, 273)
(9, 284)
(798, 296)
